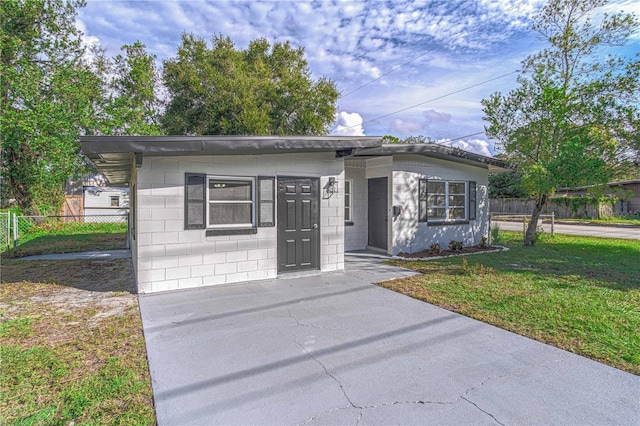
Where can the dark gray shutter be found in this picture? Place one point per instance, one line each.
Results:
(266, 201)
(422, 200)
(194, 201)
(472, 203)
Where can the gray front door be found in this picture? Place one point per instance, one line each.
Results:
(377, 204)
(298, 223)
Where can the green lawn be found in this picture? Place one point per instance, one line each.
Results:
(70, 237)
(580, 294)
(71, 345)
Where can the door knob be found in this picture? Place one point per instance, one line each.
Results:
(315, 226)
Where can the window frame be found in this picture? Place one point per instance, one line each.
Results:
(423, 202)
(113, 198)
(252, 202)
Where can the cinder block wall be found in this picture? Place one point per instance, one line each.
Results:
(168, 257)
(410, 235)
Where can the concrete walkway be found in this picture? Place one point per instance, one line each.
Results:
(335, 349)
(106, 254)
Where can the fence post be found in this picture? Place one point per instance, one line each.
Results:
(128, 231)
(489, 237)
(524, 226)
(15, 232)
(9, 231)
(553, 220)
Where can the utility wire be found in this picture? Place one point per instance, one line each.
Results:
(428, 51)
(433, 99)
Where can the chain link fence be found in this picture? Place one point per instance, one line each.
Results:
(518, 223)
(32, 235)
(5, 231)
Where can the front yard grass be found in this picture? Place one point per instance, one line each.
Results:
(71, 345)
(581, 294)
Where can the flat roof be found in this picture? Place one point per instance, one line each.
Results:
(438, 151)
(113, 155)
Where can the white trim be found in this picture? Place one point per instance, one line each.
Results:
(249, 179)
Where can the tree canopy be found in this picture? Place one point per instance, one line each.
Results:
(132, 105)
(574, 118)
(263, 90)
(48, 97)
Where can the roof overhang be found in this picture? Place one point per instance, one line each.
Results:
(438, 151)
(115, 155)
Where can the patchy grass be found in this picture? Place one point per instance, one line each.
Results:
(71, 345)
(75, 243)
(53, 236)
(581, 294)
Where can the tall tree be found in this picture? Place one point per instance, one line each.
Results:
(47, 98)
(263, 90)
(132, 105)
(572, 119)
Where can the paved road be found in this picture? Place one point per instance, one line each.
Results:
(628, 232)
(335, 349)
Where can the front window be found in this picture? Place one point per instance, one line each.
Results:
(230, 202)
(443, 201)
(348, 184)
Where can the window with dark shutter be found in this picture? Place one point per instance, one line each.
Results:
(266, 198)
(195, 202)
(473, 204)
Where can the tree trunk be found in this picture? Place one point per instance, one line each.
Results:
(530, 235)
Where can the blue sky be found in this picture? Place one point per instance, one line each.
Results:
(452, 45)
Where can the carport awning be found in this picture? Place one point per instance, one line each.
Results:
(438, 151)
(114, 155)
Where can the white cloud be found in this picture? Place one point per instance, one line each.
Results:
(348, 124)
(406, 127)
(433, 116)
(478, 146)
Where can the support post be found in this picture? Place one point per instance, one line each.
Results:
(553, 221)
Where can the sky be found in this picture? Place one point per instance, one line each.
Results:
(402, 67)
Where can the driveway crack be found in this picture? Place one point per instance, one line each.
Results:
(344, 392)
(484, 411)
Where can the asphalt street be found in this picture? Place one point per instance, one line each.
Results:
(628, 232)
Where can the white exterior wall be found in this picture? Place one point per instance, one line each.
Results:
(168, 257)
(412, 236)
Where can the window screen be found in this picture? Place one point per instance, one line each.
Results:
(230, 202)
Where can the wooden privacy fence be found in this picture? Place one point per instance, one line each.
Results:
(72, 208)
(560, 209)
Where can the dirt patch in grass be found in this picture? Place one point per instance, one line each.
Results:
(72, 344)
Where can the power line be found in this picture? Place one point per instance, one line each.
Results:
(433, 99)
(428, 51)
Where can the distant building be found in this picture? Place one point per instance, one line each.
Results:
(105, 201)
(624, 206)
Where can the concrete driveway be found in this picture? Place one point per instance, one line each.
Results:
(335, 349)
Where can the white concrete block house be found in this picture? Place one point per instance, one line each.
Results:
(209, 210)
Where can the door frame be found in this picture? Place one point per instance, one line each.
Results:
(386, 212)
(279, 179)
